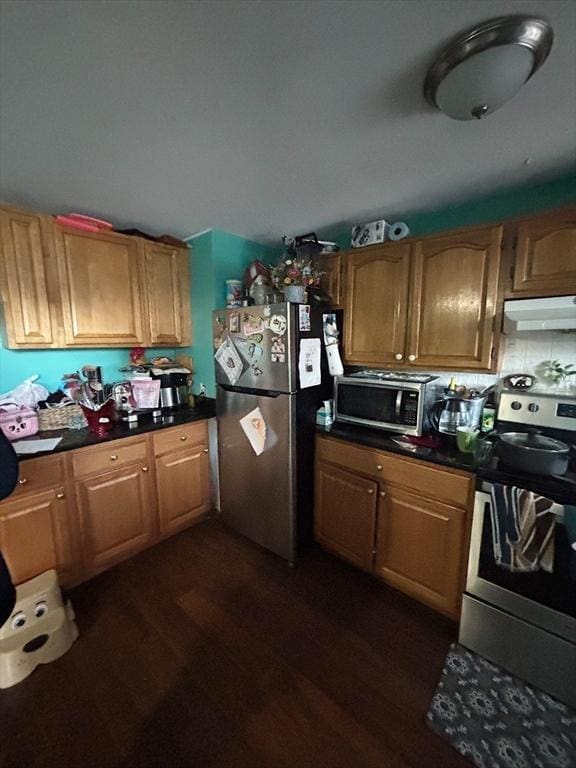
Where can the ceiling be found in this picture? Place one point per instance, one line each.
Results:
(261, 117)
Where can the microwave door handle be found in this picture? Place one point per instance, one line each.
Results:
(398, 405)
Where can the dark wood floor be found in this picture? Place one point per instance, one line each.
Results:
(208, 651)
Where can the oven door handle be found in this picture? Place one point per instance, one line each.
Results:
(398, 406)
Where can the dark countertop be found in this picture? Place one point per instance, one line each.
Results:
(80, 438)
(559, 489)
(447, 455)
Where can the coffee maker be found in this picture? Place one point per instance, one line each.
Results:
(174, 391)
(452, 411)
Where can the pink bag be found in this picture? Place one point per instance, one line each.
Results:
(17, 421)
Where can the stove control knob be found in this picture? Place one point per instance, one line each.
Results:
(533, 407)
(515, 405)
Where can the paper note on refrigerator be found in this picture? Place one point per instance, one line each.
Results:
(331, 334)
(309, 363)
(254, 428)
(230, 361)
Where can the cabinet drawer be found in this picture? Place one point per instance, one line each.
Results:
(173, 439)
(436, 482)
(118, 453)
(36, 474)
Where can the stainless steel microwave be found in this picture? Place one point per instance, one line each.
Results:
(390, 400)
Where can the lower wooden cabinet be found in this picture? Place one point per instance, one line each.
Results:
(83, 511)
(115, 515)
(404, 520)
(35, 534)
(421, 548)
(345, 516)
(183, 493)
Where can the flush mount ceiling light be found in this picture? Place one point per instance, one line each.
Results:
(485, 67)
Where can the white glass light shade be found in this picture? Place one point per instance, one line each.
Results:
(484, 82)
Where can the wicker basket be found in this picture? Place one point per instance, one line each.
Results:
(63, 417)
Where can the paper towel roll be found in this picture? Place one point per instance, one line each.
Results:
(398, 231)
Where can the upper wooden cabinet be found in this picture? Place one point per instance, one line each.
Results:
(168, 294)
(26, 250)
(430, 303)
(454, 300)
(102, 296)
(65, 287)
(545, 256)
(377, 280)
(331, 281)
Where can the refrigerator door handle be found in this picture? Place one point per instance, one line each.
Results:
(249, 391)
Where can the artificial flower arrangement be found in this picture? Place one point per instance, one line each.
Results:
(296, 271)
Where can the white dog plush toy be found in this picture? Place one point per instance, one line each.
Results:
(40, 629)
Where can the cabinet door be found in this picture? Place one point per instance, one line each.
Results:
(34, 535)
(24, 239)
(454, 300)
(183, 488)
(345, 514)
(376, 304)
(421, 548)
(115, 515)
(168, 292)
(331, 280)
(100, 281)
(546, 256)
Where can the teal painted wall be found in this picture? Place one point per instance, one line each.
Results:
(17, 365)
(217, 256)
(514, 201)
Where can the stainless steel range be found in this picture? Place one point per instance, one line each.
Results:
(519, 608)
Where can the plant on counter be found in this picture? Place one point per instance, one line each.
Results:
(556, 372)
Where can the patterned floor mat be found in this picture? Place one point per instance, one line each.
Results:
(496, 720)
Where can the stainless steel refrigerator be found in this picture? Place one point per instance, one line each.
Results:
(266, 422)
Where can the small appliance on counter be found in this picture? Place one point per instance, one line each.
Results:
(519, 606)
(174, 391)
(453, 411)
(389, 400)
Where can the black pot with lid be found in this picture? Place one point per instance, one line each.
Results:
(533, 452)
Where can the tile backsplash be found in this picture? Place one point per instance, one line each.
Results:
(525, 353)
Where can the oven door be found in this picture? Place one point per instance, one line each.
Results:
(396, 408)
(547, 600)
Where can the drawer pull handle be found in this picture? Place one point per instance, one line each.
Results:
(379, 467)
(184, 437)
(60, 496)
(370, 491)
(382, 493)
(23, 480)
(411, 358)
(144, 469)
(113, 457)
(205, 450)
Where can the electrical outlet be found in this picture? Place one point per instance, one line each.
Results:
(202, 391)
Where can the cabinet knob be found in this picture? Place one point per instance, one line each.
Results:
(205, 450)
(398, 356)
(113, 457)
(411, 358)
(144, 469)
(378, 467)
(382, 493)
(23, 480)
(184, 437)
(370, 491)
(60, 496)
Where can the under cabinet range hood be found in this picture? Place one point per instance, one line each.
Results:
(554, 314)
